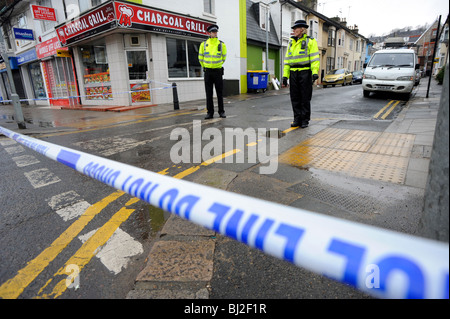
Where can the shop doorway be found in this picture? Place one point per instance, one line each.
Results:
(137, 62)
(59, 75)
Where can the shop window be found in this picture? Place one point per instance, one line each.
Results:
(59, 73)
(97, 83)
(182, 58)
(37, 80)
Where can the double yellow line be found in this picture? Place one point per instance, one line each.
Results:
(14, 287)
(385, 115)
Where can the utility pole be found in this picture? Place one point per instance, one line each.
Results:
(434, 53)
(14, 97)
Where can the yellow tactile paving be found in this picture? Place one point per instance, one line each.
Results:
(364, 154)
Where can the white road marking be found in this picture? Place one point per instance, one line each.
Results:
(68, 205)
(279, 118)
(41, 177)
(7, 142)
(25, 160)
(14, 150)
(73, 211)
(117, 251)
(63, 200)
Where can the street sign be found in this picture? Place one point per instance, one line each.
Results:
(43, 13)
(23, 34)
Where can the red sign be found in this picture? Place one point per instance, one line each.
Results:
(85, 25)
(125, 15)
(48, 48)
(139, 17)
(43, 13)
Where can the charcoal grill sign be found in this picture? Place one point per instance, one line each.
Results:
(88, 25)
(145, 18)
(116, 14)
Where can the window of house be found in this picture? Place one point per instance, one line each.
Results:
(313, 29)
(330, 64)
(45, 24)
(208, 6)
(96, 2)
(331, 37)
(264, 16)
(6, 37)
(22, 23)
(182, 58)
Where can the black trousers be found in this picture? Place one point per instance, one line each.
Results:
(300, 88)
(213, 78)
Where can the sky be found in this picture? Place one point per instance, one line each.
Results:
(380, 17)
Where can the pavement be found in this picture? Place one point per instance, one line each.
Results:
(181, 261)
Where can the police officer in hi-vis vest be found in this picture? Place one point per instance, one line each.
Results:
(301, 67)
(212, 55)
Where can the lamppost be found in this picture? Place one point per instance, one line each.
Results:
(14, 97)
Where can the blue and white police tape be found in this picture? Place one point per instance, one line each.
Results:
(167, 86)
(380, 262)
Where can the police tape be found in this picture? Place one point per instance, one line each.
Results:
(93, 95)
(380, 262)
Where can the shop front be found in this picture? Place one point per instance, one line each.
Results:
(57, 73)
(32, 76)
(129, 54)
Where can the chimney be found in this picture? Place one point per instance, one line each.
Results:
(354, 28)
(344, 22)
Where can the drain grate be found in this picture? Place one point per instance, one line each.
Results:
(351, 201)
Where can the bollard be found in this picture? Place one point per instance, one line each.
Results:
(18, 111)
(176, 104)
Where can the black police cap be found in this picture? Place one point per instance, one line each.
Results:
(300, 24)
(213, 28)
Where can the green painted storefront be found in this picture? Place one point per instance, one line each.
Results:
(255, 56)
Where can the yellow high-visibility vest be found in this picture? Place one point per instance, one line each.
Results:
(212, 53)
(302, 54)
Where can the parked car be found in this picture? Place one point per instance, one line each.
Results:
(418, 77)
(391, 70)
(357, 76)
(337, 76)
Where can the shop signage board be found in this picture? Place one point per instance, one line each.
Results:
(63, 53)
(43, 13)
(89, 24)
(145, 18)
(23, 34)
(118, 14)
(48, 48)
(27, 57)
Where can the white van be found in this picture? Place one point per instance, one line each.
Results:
(390, 70)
